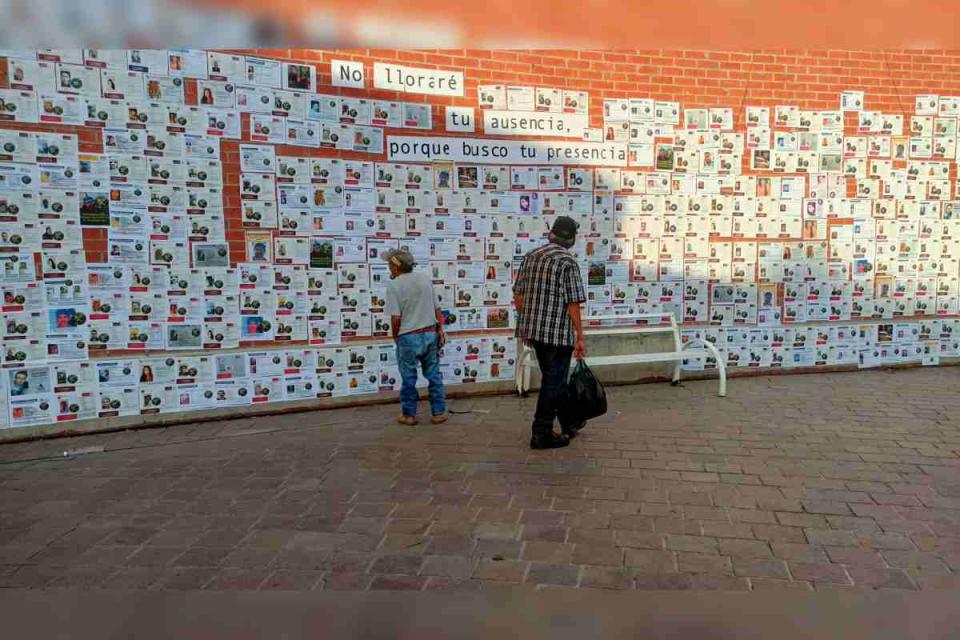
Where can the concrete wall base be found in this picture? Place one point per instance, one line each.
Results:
(609, 376)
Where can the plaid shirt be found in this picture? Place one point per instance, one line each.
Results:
(548, 280)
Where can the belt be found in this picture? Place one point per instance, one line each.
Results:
(426, 329)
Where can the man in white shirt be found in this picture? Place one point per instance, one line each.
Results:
(417, 327)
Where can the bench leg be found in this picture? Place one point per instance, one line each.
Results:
(678, 346)
(721, 367)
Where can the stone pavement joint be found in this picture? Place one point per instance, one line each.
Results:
(814, 482)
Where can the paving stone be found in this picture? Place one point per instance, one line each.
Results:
(855, 557)
(819, 572)
(637, 539)
(541, 517)
(504, 570)
(233, 579)
(185, 578)
(778, 533)
(677, 491)
(939, 582)
(663, 582)
(544, 551)
(491, 531)
(498, 549)
(633, 522)
(884, 540)
(853, 523)
(408, 565)
(606, 578)
(142, 577)
(597, 554)
(826, 507)
(451, 545)
(553, 574)
(919, 562)
(590, 536)
(709, 582)
(831, 537)
(448, 566)
(745, 548)
(753, 516)
(403, 543)
(346, 582)
(289, 580)
(761, 568)
(775, 584)
(811, 520)
(703, 563)
(877, 578)
(696, 544)
(727, 530)
(149, 556)
(397, 583)
(799, 552)
(301, 559)
(545, 532)
(652, 561)
(81, 577)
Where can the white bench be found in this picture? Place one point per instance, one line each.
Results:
(526, 357)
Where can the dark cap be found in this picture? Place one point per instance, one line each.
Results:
(565, 228)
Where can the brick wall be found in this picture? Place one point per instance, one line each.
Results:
(805, 78)
(808, 79)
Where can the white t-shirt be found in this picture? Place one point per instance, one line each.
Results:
(411, 296)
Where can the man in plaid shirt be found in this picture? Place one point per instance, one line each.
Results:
(548, 293)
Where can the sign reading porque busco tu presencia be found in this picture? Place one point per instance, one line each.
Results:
(487, 150)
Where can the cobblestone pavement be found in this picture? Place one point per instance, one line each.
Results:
(813, 482)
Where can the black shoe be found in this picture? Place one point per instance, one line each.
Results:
(571, 432)
(549, 441)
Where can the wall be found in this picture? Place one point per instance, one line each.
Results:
(810, 80)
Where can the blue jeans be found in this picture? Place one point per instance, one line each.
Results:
(411, 349)
(554, 364)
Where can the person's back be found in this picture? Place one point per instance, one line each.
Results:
(546, 280)
(416, 324)
(414, 298)
(548, 293)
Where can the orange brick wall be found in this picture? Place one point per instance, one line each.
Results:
(807, 79)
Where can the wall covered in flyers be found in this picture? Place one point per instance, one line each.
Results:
(185, 229)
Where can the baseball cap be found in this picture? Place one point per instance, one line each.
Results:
(565, 228)
(402, 258)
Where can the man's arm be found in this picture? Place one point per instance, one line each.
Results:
(519, 289)
(580, 348)
(575, 296)
(392, 309)
(441, 336)
(395, 327)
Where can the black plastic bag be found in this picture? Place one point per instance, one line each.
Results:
(586, 398)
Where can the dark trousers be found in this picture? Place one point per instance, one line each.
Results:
(554, 364)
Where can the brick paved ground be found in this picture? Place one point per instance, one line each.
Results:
(803, 482)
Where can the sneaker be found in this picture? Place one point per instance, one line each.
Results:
(549, 441)
(440, 418)
(407, 420)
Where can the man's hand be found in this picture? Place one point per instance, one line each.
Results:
(441, 339)
(580, 348)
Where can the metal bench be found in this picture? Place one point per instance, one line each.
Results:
(526, 357)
